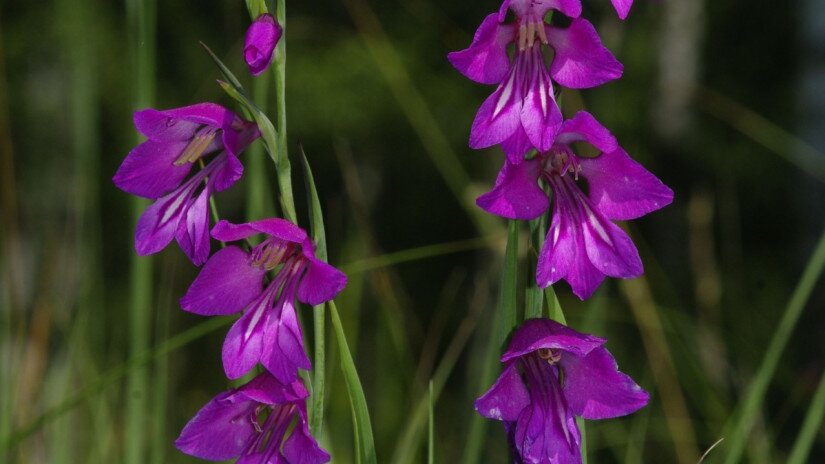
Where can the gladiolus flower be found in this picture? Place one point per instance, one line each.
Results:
(582, 244)
(158, 169)
(522, 113)
(552, 374)
(232, 281)
(251, 423)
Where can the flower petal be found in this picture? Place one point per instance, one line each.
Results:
(507, 397)
(595, 389)
(540, 115)
(622, 7)
(546, 430)
(181, 123)
(225, 285)
(581, 61)
(216, 432)
(301, 447)
(228, 171)
(500, 114)
(517, 194)
(517, 146)
(266, 389)
(486, 60)
(583, 127)
(563, 255)
(159, 223)
(538, 8)
(609, 248)
(259, 46)
(148, 170)
(321, 282)
(546, 333)
(621, 188)
(283, 348)
(276, 227)
(193, 231)
(243, 345)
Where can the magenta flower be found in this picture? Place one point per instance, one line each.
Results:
(522, 113)
(582, 244)
(251, 423)
(158, 169)
(259, 47)
(232, 281)
(567, 374)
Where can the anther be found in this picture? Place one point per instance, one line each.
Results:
(550, 355)
(194, 150)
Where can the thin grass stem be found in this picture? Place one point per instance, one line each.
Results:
(739, 430)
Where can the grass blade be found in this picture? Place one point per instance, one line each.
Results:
(503, 322)
(358, 403)
(431, 429)
(113, 376)
(316, 221)
(810, 427)
(738, 431)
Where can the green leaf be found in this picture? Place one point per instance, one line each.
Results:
(227, 74)
(507, 302)
(316, 217)
(358, 403)
(316, 221)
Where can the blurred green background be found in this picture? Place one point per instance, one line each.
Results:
(723, 100)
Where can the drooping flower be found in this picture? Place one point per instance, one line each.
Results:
(522, 113)
(232, 281)
(552, 374)
(158, 169)
(259, 48)
(582, 244)
(251, 423)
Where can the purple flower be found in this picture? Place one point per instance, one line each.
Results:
(522, 113)
(251, 423)
(582, 245)
(158, 169)
(232, 281)
(259, 47)
(567, 374)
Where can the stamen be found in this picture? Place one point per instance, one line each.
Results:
(550, 355)
(543, 34)
(522, 37)
(531, 33)
(194, 150)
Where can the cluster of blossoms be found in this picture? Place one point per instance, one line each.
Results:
(265, 420)
(553, 373)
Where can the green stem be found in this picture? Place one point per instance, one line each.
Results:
(141, 20)
(257, 206)
(279, 65)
